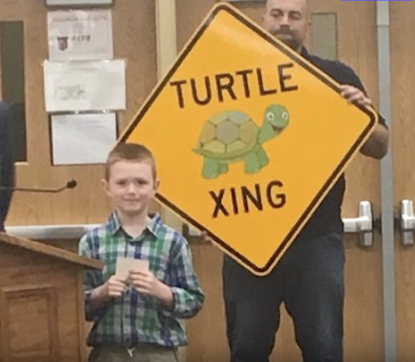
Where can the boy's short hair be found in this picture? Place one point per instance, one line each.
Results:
(130, 152)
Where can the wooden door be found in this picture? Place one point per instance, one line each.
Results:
(402, 16)
(355, 44)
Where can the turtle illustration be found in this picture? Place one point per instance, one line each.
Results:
(231, 136)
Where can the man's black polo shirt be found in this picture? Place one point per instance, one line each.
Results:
(327, 218)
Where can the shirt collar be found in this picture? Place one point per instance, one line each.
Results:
(154, 223)
(304, 52)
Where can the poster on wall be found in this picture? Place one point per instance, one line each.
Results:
(80, 35)
(82, 138)
(92, 85)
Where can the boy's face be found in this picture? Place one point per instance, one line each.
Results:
(131, 186)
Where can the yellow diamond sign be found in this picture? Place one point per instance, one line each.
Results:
(248, 136)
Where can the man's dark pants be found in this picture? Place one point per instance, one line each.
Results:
(309, 279)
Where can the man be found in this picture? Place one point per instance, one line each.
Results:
(6, 164)
(309, 279)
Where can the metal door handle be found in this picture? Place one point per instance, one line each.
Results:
(407, 222)
(362, 225)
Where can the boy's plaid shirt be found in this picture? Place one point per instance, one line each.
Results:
(135, 318)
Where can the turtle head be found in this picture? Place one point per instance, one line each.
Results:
(277, 117)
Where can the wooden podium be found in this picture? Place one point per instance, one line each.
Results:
(41, 302)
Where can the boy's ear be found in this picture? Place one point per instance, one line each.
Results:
(157, 185)
(104, 184)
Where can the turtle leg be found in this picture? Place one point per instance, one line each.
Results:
(223, 168)
(210, 168)
(252, 163)
(262, 157)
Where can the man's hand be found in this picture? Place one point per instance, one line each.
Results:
(377, 144)
(354, 95)
(146, 283)
(207, 239)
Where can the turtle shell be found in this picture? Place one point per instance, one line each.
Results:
(227, 135)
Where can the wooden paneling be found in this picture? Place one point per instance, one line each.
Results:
(40, 308)
(134, 40)
(402, 16)
(30, 323)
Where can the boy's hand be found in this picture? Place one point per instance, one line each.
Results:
(146, 283)
(114, 287)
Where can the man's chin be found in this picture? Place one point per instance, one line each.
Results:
(290, 42)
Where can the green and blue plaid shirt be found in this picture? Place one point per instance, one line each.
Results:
(135, 318)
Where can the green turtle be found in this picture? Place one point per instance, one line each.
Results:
(231, 136)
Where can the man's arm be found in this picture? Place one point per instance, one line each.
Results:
(378, 143)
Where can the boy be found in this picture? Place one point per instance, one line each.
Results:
(137, 317)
